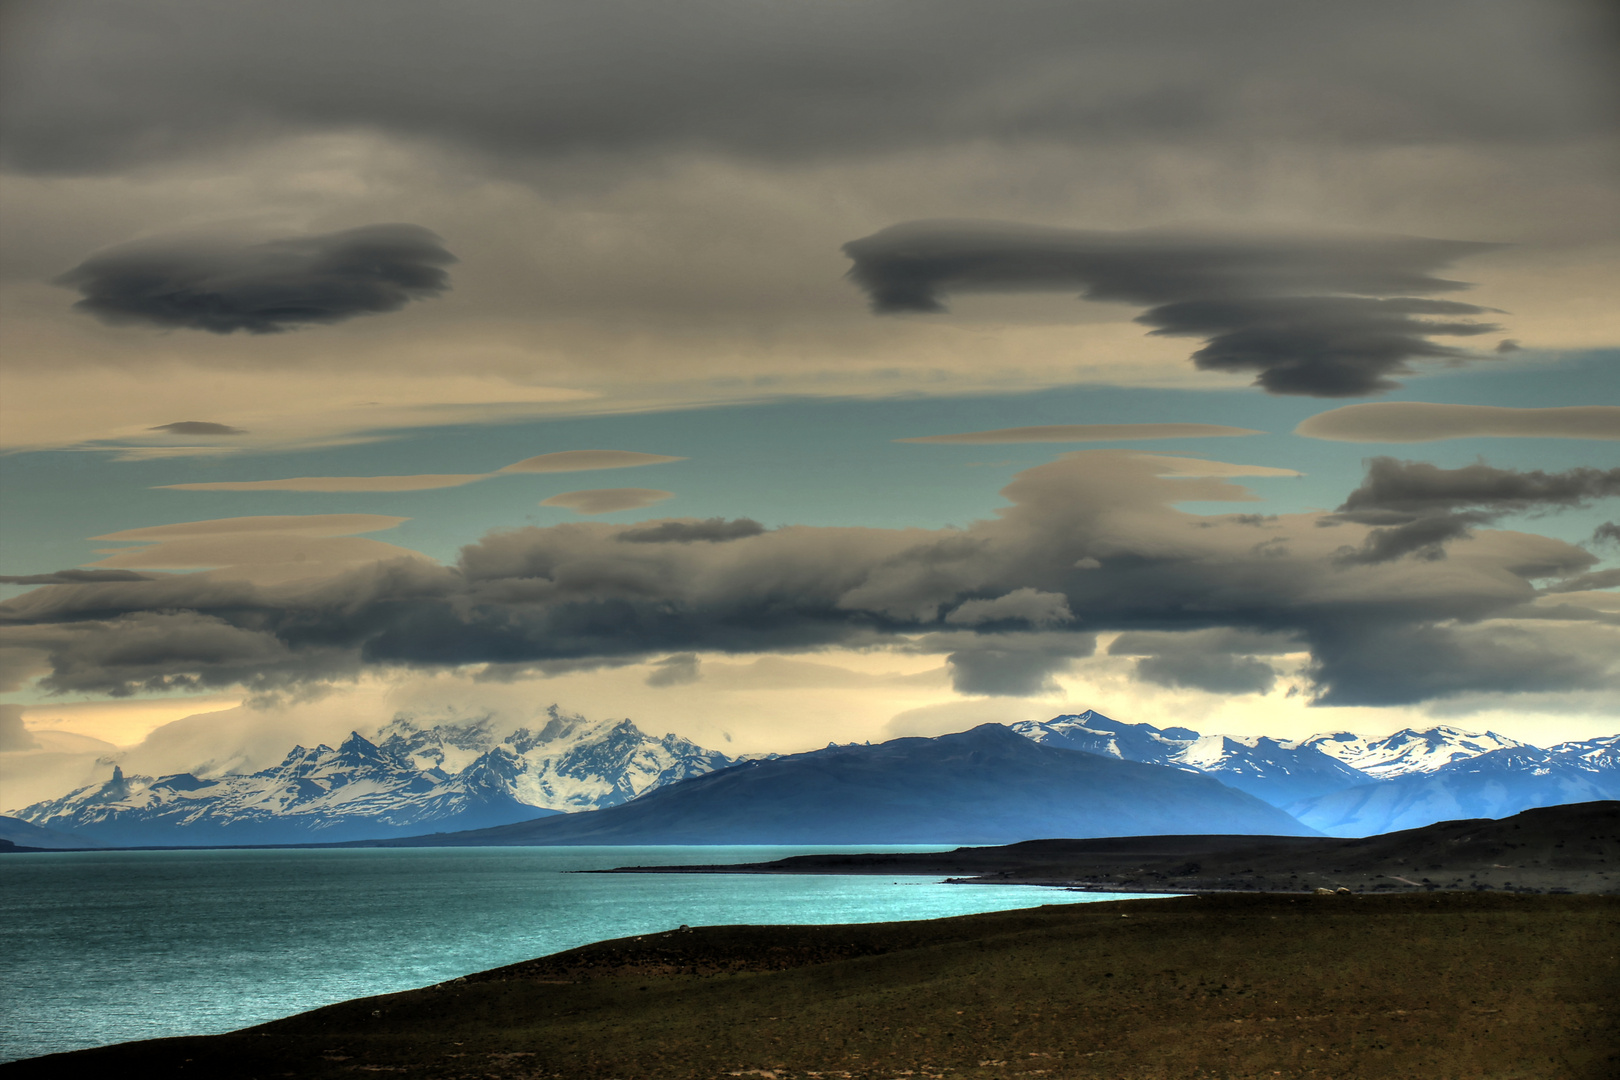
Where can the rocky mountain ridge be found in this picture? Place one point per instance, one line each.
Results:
(412, 779)
(1344, 784)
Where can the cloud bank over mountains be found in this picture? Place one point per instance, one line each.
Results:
(1091, 542)
(1150, 221)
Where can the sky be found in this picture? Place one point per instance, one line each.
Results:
(784, 373)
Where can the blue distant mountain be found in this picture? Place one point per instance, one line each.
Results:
(989, 785)
(1491, 785)
(21, 833)
(420, 777)
(1276, 770)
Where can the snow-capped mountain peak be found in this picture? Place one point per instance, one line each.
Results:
(1408, 750)
(462, 773)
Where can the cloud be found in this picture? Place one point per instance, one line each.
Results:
(585, 460)
(1606, 533)
(265, 287)
(1600, 579)
(784, 82)
(1222, 661)
(1016, 665)
(425, 482)
(1322, 316)
(568, 597)
(1059, 433)
(1021, 605)
(710, 530)
(1416, 421)
(1182, 466)
(198, 427)
(563, 461)
(678, 670)
(73, 577)
(608, 500)
(13, 736)
(1419, 507)
(257, 549)
(1415, 487)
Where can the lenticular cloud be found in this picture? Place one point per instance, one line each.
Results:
(266, 287)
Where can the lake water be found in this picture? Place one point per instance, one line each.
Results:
(104, 947)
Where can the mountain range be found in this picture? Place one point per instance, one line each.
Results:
(988, 785)
(411, 779)
(1342, 784)
(419, 776)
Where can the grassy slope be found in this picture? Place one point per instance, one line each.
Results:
(1424, 985)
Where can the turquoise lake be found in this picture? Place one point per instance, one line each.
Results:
(104, 947)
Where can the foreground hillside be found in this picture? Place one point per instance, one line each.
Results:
(1442, 986)
(987, 785)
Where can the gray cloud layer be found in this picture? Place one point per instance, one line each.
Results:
(1421, 421)
(72, 577)
(1323, 316)
(1420, 507)
(13, 735)
(1059, 433)
(710, 530)
(1222, 661)
(198, 427)
(1090, 542)
(262, 288)
(114, 83)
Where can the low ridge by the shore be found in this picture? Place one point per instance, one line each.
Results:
(1555, 849)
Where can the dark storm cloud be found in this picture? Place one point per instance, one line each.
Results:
(198, 427)
(13, 735)
(1016, 665)
(1606, 533)
(1222, 661)
(1416, 487)
(1600, 579)
(1419, 507)
(1401, 664)
(677, 670)
(1090, 542)
(712, 530)
(262, 288)
(73, 577)
(98, 84)
(1323, 316)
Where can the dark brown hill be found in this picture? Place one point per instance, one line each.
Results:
(1557, 848)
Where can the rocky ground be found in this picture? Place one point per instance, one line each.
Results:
(1441, 985)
